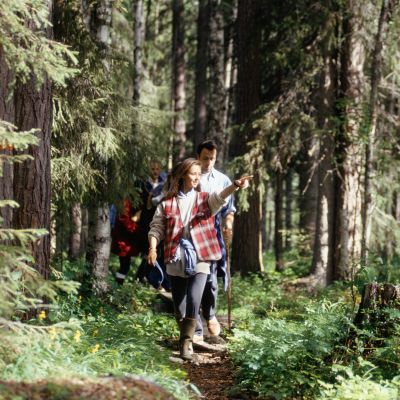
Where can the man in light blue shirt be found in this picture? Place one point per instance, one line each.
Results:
(211, 181)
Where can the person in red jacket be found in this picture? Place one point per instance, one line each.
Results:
(185, 221)
(127, 238)
(130, 229)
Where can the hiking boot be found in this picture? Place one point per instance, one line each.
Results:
(188, 327)
(215, 340)
(198, 338)
(214, 328)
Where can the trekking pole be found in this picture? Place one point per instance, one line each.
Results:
(228, 272)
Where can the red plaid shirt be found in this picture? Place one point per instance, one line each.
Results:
(202, 229)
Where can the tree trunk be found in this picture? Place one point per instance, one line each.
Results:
(102, 250)
(322, 263)
(102, 25)
(53, 235)
(375, 297)
(102, 243)
(76, 230)
(230, 69)
(138, 45)
(217, 93)
(6, 114)
(349, 156)
(84, 231)
(200, 105)
(91, 236)
(32, 191)
(308, 185)
(271, 230)
(247, 253)
(278, 244)
(385, 15)
(264, 221)
(178, 78)
(61, 240)
(288, 209)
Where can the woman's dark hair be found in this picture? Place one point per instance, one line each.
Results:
(175, 177)
(207, 144)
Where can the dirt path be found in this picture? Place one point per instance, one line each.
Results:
(213, 377)
(214, 373)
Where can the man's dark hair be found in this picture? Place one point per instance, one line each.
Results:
(206, 144)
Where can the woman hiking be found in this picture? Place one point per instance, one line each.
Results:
(184, 220)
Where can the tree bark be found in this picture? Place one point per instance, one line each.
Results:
(84, 231)
(349, 154)
(98, 251)
(376, 72)
(278, 243)
(322, 263)
(217, 93)
(102, 250)
(32, 191)
(138, 46)
(200, 105)
(247, 253)
(308, 185)
(264, 221)
(271, 231)
(288, 208)
(230, 68)
(178, 78)
(6, 114)
(375, 297)
(102, 244)
(76, 231)
(91, 235)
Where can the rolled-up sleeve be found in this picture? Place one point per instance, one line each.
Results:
(230, 202)
(157, 225)
(216, 202)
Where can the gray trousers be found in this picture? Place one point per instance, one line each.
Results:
(187, 294)
(208, 302)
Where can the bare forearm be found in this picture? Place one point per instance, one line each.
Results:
(152, 254)
(241, 183)
(228, 221)
(152, 242)
(226, 192)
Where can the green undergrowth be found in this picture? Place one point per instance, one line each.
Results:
(87, 337)
(291, 343)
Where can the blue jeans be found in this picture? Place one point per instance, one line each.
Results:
(208, 302)
(187, 294)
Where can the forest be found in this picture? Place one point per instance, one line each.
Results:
(301, 95)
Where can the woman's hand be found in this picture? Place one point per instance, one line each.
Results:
(243, 182)
(152, 256)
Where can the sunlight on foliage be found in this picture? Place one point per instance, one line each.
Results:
(40, 55)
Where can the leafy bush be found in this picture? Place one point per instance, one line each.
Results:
(350, 386)
(280, 358)
(98, 340)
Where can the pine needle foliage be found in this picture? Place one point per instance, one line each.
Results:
(23, 288)
(96, 160)
(27, 49)
(27, 52)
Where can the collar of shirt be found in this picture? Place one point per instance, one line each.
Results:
(189, 194)
(209, 175)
